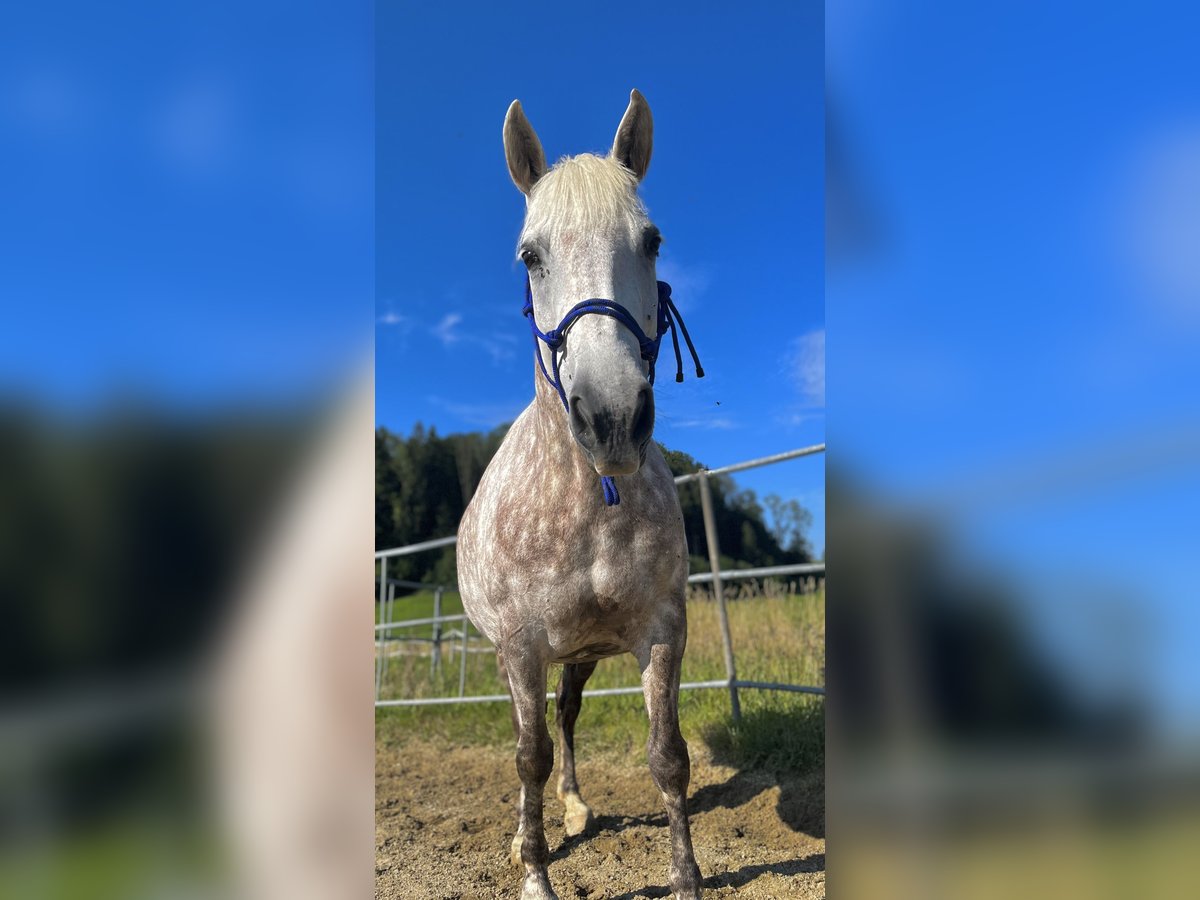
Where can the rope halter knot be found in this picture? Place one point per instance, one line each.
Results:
(669, 319)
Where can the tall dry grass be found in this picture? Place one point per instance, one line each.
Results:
(776, 637)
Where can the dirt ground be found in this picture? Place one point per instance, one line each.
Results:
(445, 817)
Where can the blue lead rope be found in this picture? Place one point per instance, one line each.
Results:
(609, 486)
(668, 318)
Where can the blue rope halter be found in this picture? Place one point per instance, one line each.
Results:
(668, 318)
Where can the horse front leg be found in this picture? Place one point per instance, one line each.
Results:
(535, 761)
(569, 699)
(669, 764)
(515, 852)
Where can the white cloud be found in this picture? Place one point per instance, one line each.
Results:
(482, 415)
(806, 365)
(444, 331)
(392, 318)
(688, 283)
(195, 128)
(1159, 223)
(718, 424)
(498, 345)
(794, 417)
(48, 100)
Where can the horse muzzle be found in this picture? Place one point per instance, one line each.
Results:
(614, 435)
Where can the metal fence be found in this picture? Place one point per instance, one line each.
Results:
(460, 635)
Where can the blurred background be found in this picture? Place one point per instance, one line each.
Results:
(1013, 290)
(186, 279)
(1013, 302)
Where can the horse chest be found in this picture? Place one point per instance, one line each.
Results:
(540, 555)
(620, 576)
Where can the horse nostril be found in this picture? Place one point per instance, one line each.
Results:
(643, 417)
(581, 422)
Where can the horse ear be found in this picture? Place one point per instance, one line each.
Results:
(522, 149)
(635, 136)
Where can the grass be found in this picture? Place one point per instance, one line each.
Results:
(420, 606)
(126, 855)
(776, 638)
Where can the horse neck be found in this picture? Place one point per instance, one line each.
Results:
(556, 447)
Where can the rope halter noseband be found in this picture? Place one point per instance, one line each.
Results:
(555, 338)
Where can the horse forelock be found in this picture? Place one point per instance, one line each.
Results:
(583, 193)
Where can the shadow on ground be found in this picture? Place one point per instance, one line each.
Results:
(769, 748)
(610, 825)
(444, 817)
(739, 877)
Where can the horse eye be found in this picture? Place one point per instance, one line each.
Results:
(653, 242)
(530, 258)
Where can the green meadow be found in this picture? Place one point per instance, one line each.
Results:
(776, 637)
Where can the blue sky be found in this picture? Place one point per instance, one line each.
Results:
(1033, 177)
(191, 218)
(736, 185)
(187, 202)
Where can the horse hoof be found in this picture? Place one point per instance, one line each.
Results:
(537, 887)
(578, 818)
(577, 821)
(515, 853)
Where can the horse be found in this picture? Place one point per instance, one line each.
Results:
(554, 567)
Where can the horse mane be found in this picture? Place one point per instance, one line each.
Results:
(583, 192)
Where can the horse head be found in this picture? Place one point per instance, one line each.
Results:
(590, 247)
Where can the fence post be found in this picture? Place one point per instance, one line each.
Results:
(714, 553)
(462, 662)
(389, 611)
(382, 615)
(435, 660)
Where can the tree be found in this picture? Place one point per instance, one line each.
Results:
(424, 482)
(387, 489)
(789, 522)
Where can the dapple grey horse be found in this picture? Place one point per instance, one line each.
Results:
(555, 564)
